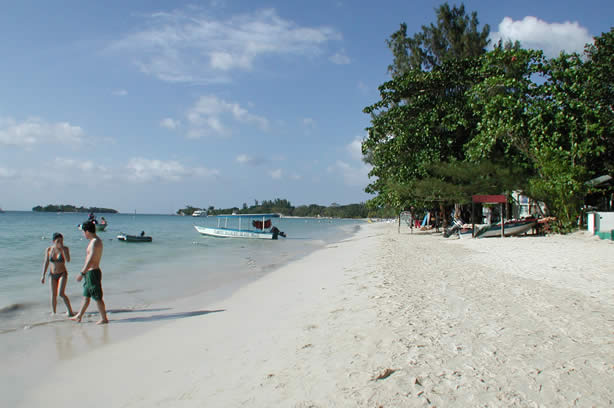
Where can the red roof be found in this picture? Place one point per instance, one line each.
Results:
(489, 199)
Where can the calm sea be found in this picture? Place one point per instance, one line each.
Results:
(178, 263)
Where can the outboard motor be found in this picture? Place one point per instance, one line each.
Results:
(276, 232)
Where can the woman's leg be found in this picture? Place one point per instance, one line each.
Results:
(54, 293)
(62, 285)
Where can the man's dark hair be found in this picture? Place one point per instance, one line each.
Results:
(56, 235)
(89, 227)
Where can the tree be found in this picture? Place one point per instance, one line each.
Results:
(456, 36)
(599, 94)
(545, 125)
(423, 115)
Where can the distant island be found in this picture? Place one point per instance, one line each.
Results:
(284, 207)
(72, 208)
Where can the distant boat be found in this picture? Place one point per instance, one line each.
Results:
(134, 238)
(199, 213)
(243, 226)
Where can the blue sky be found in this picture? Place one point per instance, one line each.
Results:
(152, 105)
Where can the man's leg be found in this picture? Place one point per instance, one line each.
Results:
(103, 312)
(84, 305)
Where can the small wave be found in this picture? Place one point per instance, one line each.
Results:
(13, 308)
(4, 331)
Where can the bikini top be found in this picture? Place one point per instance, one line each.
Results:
(59, 259)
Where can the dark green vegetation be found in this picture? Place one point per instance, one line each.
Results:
(456, 120)
(284, 207)
(72, 208)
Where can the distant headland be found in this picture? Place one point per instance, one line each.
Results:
(72, 208)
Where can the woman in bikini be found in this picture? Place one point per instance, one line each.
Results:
(57, 255)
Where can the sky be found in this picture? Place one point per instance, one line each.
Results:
(150, 106)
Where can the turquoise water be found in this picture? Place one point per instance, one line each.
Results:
(179, 262)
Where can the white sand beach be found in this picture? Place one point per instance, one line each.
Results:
(378, 320)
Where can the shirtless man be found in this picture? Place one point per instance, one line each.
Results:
(92, 286)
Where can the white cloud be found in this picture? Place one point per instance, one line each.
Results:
(243, 158)
(76, 170)
(191, 46)
(81, 165)
(363, 87)
(353, 176)
(252, 161)
(276, 174)
(7, 173)
(205, 117)
(534, 33)
(339, 58)
(309, 122)
(120, 92)
(355, 149)
(170, 123)
(356, 173)
(34, 131)
(143, 170)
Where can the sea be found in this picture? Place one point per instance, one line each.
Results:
(178, 262)
(145, 284)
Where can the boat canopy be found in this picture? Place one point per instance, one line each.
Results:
(262, 225)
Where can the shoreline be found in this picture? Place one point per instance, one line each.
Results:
(377, 319)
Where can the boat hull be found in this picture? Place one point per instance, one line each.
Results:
(233, 233)
(509, 229)
(133, 238)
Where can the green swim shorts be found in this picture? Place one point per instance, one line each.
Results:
(92, 285)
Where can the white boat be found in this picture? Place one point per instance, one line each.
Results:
(255, 226)
(510, 228)
(199, 213)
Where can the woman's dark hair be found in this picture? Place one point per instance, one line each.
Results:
(57, 235)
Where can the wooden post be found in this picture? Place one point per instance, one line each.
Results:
(472, 219)
(502, 222)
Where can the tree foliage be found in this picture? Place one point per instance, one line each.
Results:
(456, 181)
(456, 36)
(600, 95)
(188, 210)
(72, 208)
(285, 207)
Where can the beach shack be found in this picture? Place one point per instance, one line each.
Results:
(600, 205)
